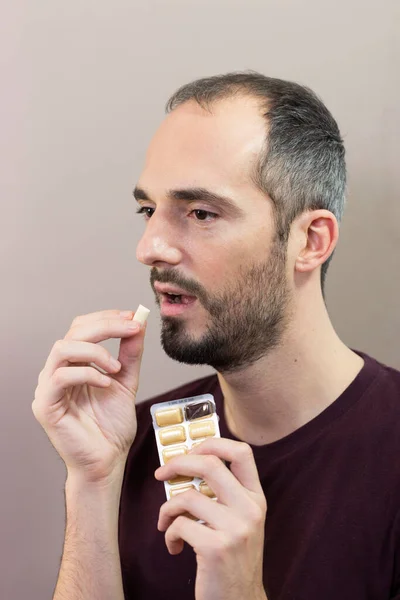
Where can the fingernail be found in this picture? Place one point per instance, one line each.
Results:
(126, 313)
(134, 326)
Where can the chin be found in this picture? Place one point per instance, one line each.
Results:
(184, 346)
(182, 326)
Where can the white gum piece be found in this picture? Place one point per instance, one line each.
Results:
(141, 314)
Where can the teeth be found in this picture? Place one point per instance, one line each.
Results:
(174, 298)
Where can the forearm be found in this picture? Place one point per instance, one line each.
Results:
(90, 566)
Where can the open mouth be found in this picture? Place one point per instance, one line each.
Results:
(173, 303)
(178, 298)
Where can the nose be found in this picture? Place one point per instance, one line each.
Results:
(158, 244)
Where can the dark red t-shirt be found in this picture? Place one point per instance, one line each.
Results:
(333, 492)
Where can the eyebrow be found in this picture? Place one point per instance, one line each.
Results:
(195, 194)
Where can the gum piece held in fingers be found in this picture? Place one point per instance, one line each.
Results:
(141, 314)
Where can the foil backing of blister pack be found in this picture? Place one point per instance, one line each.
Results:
(178, 426)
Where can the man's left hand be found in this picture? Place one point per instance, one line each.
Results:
(230, 544)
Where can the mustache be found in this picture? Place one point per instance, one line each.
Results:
(173, 277)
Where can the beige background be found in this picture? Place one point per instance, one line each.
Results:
(84, 84)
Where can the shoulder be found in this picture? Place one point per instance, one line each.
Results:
(377, 411)
(386, 378)
(377, 432)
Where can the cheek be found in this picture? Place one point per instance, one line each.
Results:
(219, 265)
(218, 257)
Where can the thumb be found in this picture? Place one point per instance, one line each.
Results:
(130, 357)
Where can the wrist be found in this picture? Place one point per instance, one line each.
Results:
(97, 480)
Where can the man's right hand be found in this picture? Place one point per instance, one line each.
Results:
(91, 423)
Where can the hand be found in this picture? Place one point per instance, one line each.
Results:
(230, 545)
(89, 419)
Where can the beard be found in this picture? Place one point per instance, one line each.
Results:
(247, 319)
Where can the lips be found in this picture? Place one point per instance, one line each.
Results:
(166, 288)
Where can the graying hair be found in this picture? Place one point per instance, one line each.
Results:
(302, 165)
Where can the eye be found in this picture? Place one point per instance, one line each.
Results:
(145, 211)
(201, 215)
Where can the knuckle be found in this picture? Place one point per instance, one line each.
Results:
(58, 377)
(241, 534)
(70, 333)
(58, 347)
(212, 462)
(219, 548)
(76, 320)
(263, 505)
(104, 355)
(179, 522)
(37, 410)
(174, 527)
(245, 450)
(255, 515)
(109, 323)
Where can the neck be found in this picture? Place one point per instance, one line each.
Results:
(293, 383)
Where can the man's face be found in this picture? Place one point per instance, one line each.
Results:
(221, 254)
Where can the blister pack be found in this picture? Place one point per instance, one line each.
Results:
(179, 425)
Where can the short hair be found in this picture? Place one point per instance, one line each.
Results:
(302, 165)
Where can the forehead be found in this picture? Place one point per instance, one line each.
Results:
(195, 147)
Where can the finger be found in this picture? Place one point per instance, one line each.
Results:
(64, 378)
(238, 454)
(65, 352)
(101, 315)
(103, 329)
(130, 356)
(210, 468)
(217, 516)
(186, 530)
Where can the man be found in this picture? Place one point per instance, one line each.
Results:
(242, 191)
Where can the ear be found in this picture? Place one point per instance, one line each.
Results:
(318, 235)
